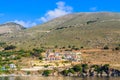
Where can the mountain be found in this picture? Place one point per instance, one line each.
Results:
(89, 30)
(10, 28)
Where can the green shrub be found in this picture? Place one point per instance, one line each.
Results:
(28, 72)
(106, 47)
(40, 58)
(117, 48)
(69, 46)
(56, 46)
(46, 66)
(65, 72)
(2, 44)
(11, 47)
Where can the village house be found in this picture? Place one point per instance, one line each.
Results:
(52, 56)
(67, 55)
(72, 56)
(12, 66)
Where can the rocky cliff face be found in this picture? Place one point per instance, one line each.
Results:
(10, 28)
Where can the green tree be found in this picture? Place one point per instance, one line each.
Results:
(65, 72)
(71, 71)
(77, 68)
(73, 47)
(81, 47)
(37, 53)
(97, 69)
(69, 46)
(85, 66)
(56, 46)
(47, 72)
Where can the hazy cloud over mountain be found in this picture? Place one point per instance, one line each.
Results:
(60, 10)
(26, 24)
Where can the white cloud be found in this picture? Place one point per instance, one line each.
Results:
(26, 24)
(60, 10)
(93, 9)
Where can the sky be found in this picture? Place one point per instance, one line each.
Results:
(30, 13)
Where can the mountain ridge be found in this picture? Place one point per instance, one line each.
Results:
(10, 27)
(90, 30)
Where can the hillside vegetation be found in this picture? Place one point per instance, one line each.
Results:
(88, 30)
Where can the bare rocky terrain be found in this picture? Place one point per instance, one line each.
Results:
(10, 28)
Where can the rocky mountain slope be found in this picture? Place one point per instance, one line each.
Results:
(90, 30)
(10, 28)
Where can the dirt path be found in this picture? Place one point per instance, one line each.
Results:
(94, 50)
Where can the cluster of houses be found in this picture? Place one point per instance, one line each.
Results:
(66, 55)
(11, 66)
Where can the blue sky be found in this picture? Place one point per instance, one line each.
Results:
(32, 12)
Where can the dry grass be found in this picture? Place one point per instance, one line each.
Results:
(102, 57)
(75, 31)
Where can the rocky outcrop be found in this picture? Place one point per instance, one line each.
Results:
(10, 28)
